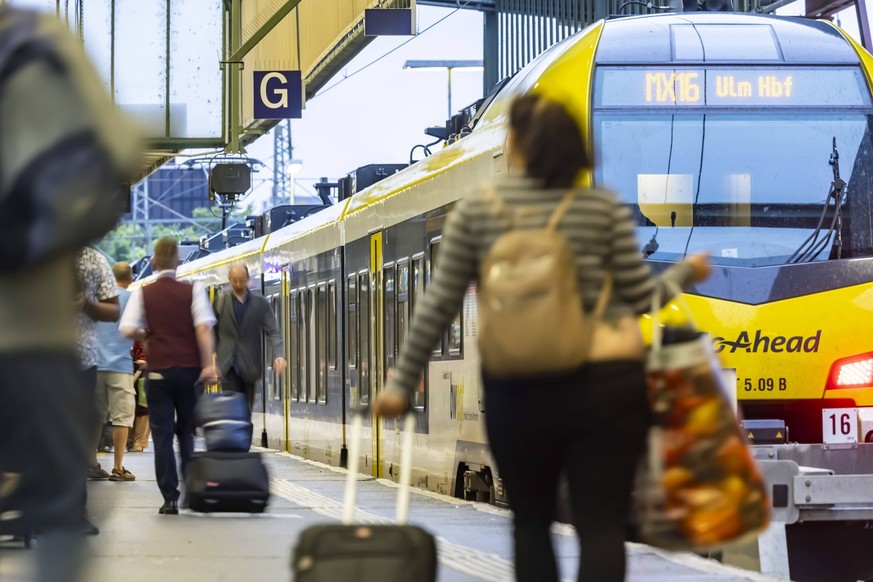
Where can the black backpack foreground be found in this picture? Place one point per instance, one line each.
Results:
(61, 185)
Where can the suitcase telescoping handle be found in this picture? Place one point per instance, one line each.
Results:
(213, 386)
(350, 498)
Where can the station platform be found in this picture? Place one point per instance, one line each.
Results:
(136, 544)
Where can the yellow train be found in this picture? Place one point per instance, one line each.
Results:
(722, 132)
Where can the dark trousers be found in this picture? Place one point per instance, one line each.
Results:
(233, 382)
(171, 397)
(88, 386)
(46, 427)
(590, 425)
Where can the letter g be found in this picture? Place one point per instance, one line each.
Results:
(281, 93)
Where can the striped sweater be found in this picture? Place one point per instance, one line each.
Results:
(600, 231)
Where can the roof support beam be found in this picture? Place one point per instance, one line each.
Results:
(264, 30)
(234, 66)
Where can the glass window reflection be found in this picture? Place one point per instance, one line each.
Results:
(718, 182)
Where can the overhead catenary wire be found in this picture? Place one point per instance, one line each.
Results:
(404, 43)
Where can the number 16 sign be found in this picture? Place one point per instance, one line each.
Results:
(839, 425)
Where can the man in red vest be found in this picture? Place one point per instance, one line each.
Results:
(177, 320)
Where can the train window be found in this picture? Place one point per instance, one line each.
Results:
(364, 338)
(736, 208)
(352, 332)
(312, 345)
(294, 343)
(439, 350)
(321, 338)
(390, 316)
(303, 369)
(455, 339)
(277, 380)
(403, 278)
(405, 294)
(331, 326)
(434, 254)
(418, 274)
(416, 290)
(402, 303)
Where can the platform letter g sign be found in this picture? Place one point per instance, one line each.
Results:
(277, 94)
(282, 93)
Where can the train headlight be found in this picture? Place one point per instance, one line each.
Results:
(853, 372)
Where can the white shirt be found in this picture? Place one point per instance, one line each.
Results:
(134, 316)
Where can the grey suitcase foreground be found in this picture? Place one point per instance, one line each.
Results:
(364, 553)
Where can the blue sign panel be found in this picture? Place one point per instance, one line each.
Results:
(278, 95)
(388, 22)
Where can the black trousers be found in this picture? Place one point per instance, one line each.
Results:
(88, 385)
(590, 425)
(171, 396)
(233, 382)
(46, 428)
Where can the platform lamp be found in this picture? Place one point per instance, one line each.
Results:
(293, 168)
(449, 66)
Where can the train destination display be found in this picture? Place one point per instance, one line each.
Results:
(729, 87)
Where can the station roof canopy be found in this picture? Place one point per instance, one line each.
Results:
(179, 83)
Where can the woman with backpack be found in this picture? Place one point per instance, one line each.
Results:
(574, 401)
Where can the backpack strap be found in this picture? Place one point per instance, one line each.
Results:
(561, 209)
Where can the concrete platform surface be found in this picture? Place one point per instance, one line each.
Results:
(138, 545)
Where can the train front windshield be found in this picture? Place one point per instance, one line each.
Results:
(735, 161)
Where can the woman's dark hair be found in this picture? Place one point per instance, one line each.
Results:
(549, 139)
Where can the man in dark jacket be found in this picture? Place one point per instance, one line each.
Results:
(242, 318)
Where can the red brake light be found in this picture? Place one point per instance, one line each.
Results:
(853, 372)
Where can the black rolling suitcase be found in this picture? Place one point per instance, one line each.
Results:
(218, 481)
(378, 553)
(226, 477)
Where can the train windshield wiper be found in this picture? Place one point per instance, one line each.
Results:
(813, 245)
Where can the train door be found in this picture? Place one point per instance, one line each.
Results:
(286, 324)
(376, 344)
(274, 393)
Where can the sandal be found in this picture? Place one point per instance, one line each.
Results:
(122, 475)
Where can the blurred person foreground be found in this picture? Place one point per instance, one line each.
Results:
(64, 153)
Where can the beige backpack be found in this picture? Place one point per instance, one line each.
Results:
(531, 318)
